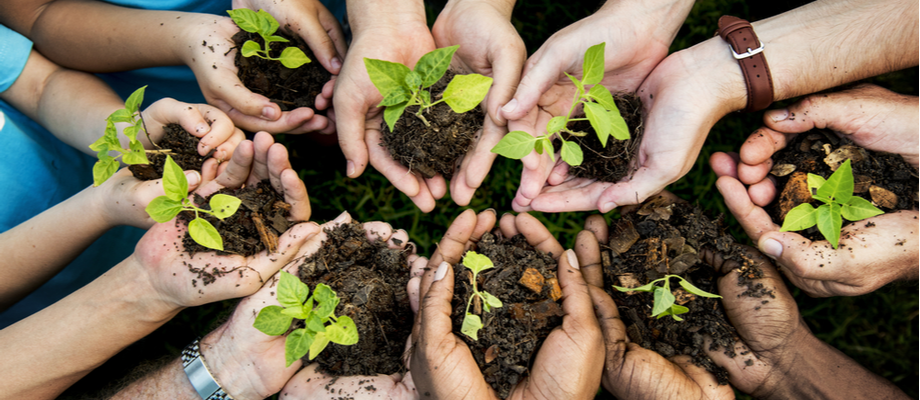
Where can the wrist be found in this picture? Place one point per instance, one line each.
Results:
(155, 305)
(504, 7)
(668, 14)
(712, 62)
(370, 17)
(233, 375)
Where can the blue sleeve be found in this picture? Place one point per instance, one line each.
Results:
(14, 52)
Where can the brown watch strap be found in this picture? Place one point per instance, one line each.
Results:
(748, 50)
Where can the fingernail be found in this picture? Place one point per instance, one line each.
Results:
(350, 168)
(341, 218)
(336, 63)
(441, 272)
(608, 206)
(269, 113)
(772, 248)
(202, 128)
(573, 260)
(511, 106)
(778, 115)
(193, 177)
(491, 210)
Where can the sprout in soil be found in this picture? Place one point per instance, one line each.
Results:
(664, 299)
(472, 323)
(263, 24)
(135, 153)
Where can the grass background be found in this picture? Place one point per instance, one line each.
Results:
(878, 330)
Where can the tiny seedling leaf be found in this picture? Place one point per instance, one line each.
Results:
(516, 145)
(618, 127)
(593, 67)
(491, 300)
(320, 341)
(326, 300)
(392, 113)
(830, 222)
(432, 66)
(104, 168)
(538, 146)
(556, 124)
(644, 288)
(602, 96)
(223, 205)
(674, 311)
(663, 300)
(471, 326)
(274, 38)
(293, 57)
(136, 154)
(572, 154)
(174, 183)
(344, 331)
(577, 83)
(267, 23)
(803, 216)
(839, 185)
(297, 344)
(133, 104)
(131, 133)
(246, 19)
(465, 92)
(600, 121)
(858, 209)
(695, 290)
(299, 312)
(476, 262)
(395, 97)
(205, 234)
(121, 115)
(292, 292)
(250, 48)
(272, 322)
(163, 209)
(386, 76)
(814, 182)
(314, 323)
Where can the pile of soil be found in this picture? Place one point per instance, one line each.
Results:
(660, 239)
(370, 281)
(288, 88)
(183, 148)
(434, 149)
(524, 279)
(255, 226)
(885, 179)
(611, 163)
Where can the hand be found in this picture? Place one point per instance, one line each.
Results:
(568, 362)
(489, 45)
(214, 129)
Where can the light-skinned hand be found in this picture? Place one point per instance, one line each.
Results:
(211, 126)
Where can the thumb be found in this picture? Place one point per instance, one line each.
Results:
(806, 263)
(435, 307)
(540, 74)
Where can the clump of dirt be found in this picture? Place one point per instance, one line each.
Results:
(435, 148)
(255, 226)
(370, 279)
(288, 88)
(885, 179)
(611, 163)
(524, 279)
(183, 148)
(663, 238)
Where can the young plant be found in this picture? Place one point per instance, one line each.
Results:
(839, 202)
(402, 87)
(664, 299)
(600, 110)
(472, 323)
(263, 24)
(165, 208)
(318, 314)
(134, 154)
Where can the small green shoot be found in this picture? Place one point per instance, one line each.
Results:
(472, 323)
(402, 87)
(664, 299)
(165, 208)
(318, 314)
(839, 202)
(263, 24)
(600, 110)
(134, 154)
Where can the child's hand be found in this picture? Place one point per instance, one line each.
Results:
(212, 126)
(123, 199)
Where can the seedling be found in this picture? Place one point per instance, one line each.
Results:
(135, 153)
(165, 208)
(402, 87)
(664, 299)
(471, 322)
(600, 110)
(839, 202)
(263, 24)
(317, 312)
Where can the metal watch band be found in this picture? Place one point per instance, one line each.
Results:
(199, 375)
(748, 50)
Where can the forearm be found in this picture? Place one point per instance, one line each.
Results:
(367, 15)
(169, 382)
(668, 15)
(50, 350)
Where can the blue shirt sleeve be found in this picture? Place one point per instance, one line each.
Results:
(14, 52)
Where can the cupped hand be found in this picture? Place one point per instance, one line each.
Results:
(124, 198)
(214, 128)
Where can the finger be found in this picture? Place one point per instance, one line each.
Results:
(537, 235)
(396, 173)
(451, 246)
(576, 302)
(318, 39)
(706, 381)
(435, 304)
(485, 221)
(378, 231)
(220, 130)
(351, 110)
(277, 161)
(597, 225)
(588, 251)
(762, 193)
(506, 72)
(245, 108)
(755, 221)
(234, 174)
(437, 186)
(398, 240)
(558, 174)
(577, 198)
(540, 73)
(646, 182)
(761, 145)
(476, 164)
(612, 327)
(417, 268)
(289, 243)
(295, 194)
(724, 164)
(507, 226)
(262, 142)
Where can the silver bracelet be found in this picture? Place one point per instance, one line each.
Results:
(199, 375)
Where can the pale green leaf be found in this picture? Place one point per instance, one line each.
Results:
(858, 209)
(133, 104)
(292, 292)
(205, 234)
(577, 83)
(674, 311)
(599, 119)
(618, 127)
(695, 290)
(572, 154)
(830, 222)
(593, 67)
(104, 169)
(174, 182)
(246, 19)
(274, 38)
(326, 300)
(250, 49)
(471, 326)
(297, 345)
(538, 147)
(556, 124)
(395, 97)
(814, 182)
(267, 23)
(163, 209)
(121, 115)
(272, 322)
(386, 76)
(320, 341)
(424, 97)
(224, 205)
(298, 312)
(803, 216)
(432, 66)
(392, 113)
(293, 57)
(314, 322)
(476, 262)
(839, 185)
(491, 300)
(644, 288)
(663, 300)
(344, 331)
(465, 92)
(413, 80)
(515, 145)
(602, 96)
(136, 154)
(107, 141)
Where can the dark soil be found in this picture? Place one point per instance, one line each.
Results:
(434, 149)
(662, 239)
(255, 226)
(288, 88)
(183, 148)
(370, 280)
(884, 179)
(512, 334)
(611, 163)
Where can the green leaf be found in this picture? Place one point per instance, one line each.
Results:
(465, 92)
(326, 300)
(131, 132)
(395, 97)
(293, 57)
(224, 205)
(250, 49)
(803, 216)
(674, 311)
(600, 121)
(538, 147)
(476, 262)
(663, 300)
(830, 222)
(602, 96)
(272, 322)
(432, 66)
(425, 97)
(644, 288)
(267, 23)
(298, 312)
(839, 185)
(292, 292)
(392, 113)
(319, 344)
(577, 83)
(121, 115)
(205, 234)
(246, 19)
(386, 76)
(104, 168)
(858, 209)
(136, 154)
(471, 326)
(107, 141)
(572, 154)
(413, 80)
(163, 209)
(297, 344)
(344, 331)
(314, 322)
(814, 182)
(274, 38)
(593, 67)
(556, 124)
(515, 145)
(490, 300)
(695, 290)
(133, 104)
(174, 183)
